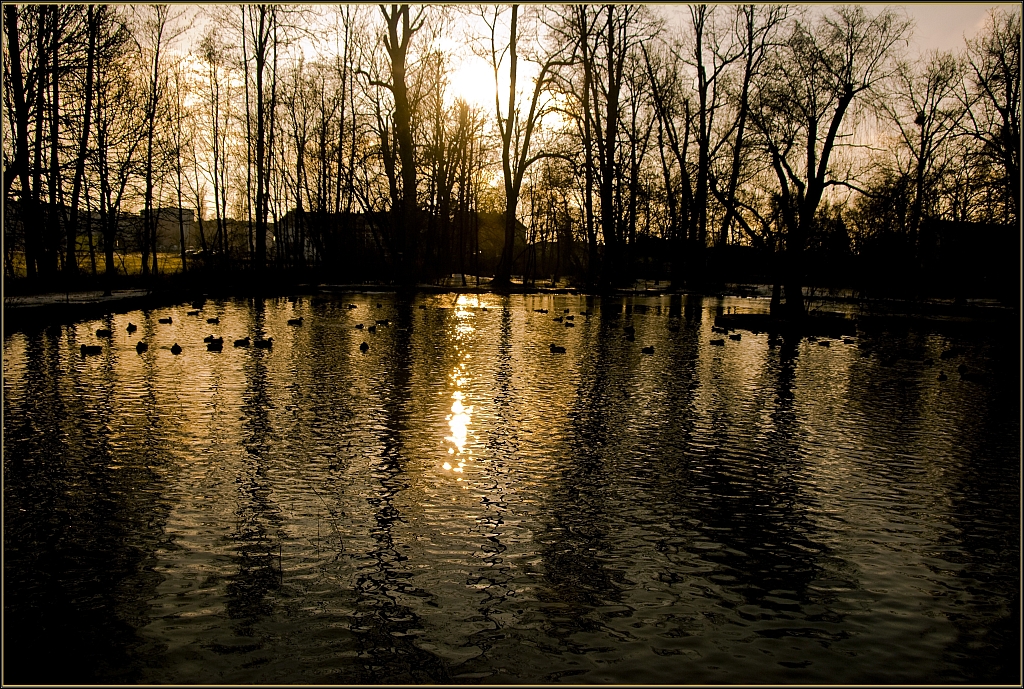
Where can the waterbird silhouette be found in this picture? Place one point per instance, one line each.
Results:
(295, 321)
(648, 350)
(570, 318)
(570, 324)
(823, 343)
(378, 306)
(352, 306)
(363, 347)
(942, 376)
(244, 342)
(372, 329)
(565, 311)
(215, 320)
(735, 336)
(131, 327)
(175, 348)
(208, 338)
(359, 326)
(555, 349)
(557, 319)
(193, 313)
(260, 343)
(141, 347)
(103, 332)
(718, 343)
(165, 321)
(847, 340)
(91, 349)
(216, 345)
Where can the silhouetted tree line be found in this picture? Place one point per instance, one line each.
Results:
(694, 144)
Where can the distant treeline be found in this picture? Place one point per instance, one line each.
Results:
(695, 144)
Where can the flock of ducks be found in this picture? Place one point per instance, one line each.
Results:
(216, 344)
(213, 344)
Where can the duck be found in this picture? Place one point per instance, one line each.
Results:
(359, 326)
(91, 349)
(198, 303)
(215, 320)
(131, 327)
(175, 348)
(194, 312)
(295, 321)
(630, 337)
(847, 340)
(363, 347)
(378, 305)
(648, 350)
(352, 306)
(629, 330)
(570, 318)
(942, 376)
(264, 344)
(103, 332)
(244, 342)
(557, 319)
(570, 324)
(735, 336)
(372, 329)
(824, 343)
(141, 347)
(208, 338)
(718, 343)
(216, 345)
(540, 310)
(565, 311)
(555, 349)
(165, 321)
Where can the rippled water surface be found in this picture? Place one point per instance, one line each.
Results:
(459, 504)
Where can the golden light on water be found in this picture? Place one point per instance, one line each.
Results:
(460, 418)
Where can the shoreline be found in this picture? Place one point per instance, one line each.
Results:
(23, 312)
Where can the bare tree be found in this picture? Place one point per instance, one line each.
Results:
(993, 99)
(515, 127)
(801, 106)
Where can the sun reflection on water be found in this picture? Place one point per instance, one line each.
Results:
(460, 418)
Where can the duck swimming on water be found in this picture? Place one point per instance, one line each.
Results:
(555, 349)
(175, 348)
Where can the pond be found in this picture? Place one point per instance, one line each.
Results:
(459, 504)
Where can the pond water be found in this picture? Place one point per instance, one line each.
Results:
(458, 504)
